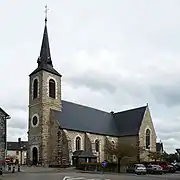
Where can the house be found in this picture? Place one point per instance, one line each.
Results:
(3, 133)
(159, 147)
(17, 150)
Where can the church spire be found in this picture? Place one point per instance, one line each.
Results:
(44, 61)
(45, 55)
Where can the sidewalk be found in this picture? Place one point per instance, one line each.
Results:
(33, 169)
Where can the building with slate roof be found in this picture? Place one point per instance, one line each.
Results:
(159, 147)
(58, 128)
(17, 150)
(3, 133)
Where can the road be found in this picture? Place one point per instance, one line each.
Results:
(55, 175)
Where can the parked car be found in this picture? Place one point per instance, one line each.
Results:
(137, 169)
(164, 166)
(172, 169)
(177, 166)
(154, 169)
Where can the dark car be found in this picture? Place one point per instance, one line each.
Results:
(177, 166)
(172, 169)
(154, 169)
(137, 169)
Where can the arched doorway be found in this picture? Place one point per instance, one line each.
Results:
(34, 156)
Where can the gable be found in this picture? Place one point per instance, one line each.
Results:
(86, 119)
(3, 113)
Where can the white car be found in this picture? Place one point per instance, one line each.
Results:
(140, 169)
(137, 168)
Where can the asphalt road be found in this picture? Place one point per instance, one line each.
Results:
(84, 176)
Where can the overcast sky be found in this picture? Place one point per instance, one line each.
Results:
(113, 55)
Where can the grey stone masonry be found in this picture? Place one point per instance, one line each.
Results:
(3, 136)
(39, 136)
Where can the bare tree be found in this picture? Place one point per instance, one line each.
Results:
(155, 156)
(121, 150)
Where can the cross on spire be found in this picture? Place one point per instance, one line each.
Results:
(46, 11)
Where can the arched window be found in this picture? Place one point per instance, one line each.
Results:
(78, 143)
(35, 88)
(148, 139)
(97, 145)
(52, 88)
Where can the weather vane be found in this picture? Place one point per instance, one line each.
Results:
(46, 11)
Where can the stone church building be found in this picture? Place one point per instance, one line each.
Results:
(58, 128)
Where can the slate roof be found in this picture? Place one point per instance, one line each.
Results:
(44, 60)
(4, 113)
(86, 119)
(15, 146)
(128, 122)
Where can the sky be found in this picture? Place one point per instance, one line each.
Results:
(113, 55)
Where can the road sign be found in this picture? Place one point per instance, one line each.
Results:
(104, 164)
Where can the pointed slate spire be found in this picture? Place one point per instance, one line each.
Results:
(45, 55)
(44, 61)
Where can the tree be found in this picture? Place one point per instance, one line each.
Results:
(120, 150)
(154, 156)
(165, 156)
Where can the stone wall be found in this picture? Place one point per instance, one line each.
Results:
(87, 143)
(147, 123)
(3, 136)
(39, 136)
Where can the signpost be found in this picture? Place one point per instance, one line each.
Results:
(104, 164)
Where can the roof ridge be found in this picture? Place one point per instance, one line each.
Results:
(133, 109)
(86, 106)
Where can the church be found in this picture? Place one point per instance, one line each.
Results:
(57, 129)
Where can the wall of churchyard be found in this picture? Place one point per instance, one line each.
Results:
(147, 124)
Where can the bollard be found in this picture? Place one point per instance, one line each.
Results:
(18, 168)
(13, 171)
(1, 171)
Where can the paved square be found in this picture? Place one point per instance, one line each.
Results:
(54, 174)
(84, 176)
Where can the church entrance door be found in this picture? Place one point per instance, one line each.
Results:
(34, 156)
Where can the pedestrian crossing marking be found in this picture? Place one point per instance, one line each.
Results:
(79, 178)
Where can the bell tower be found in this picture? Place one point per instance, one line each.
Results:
(44, 95)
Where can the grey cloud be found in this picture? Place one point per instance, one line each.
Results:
(168, 125)
(167, 94)
(93, 80)
(14, 133)
(168, 135)
(18, 123)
